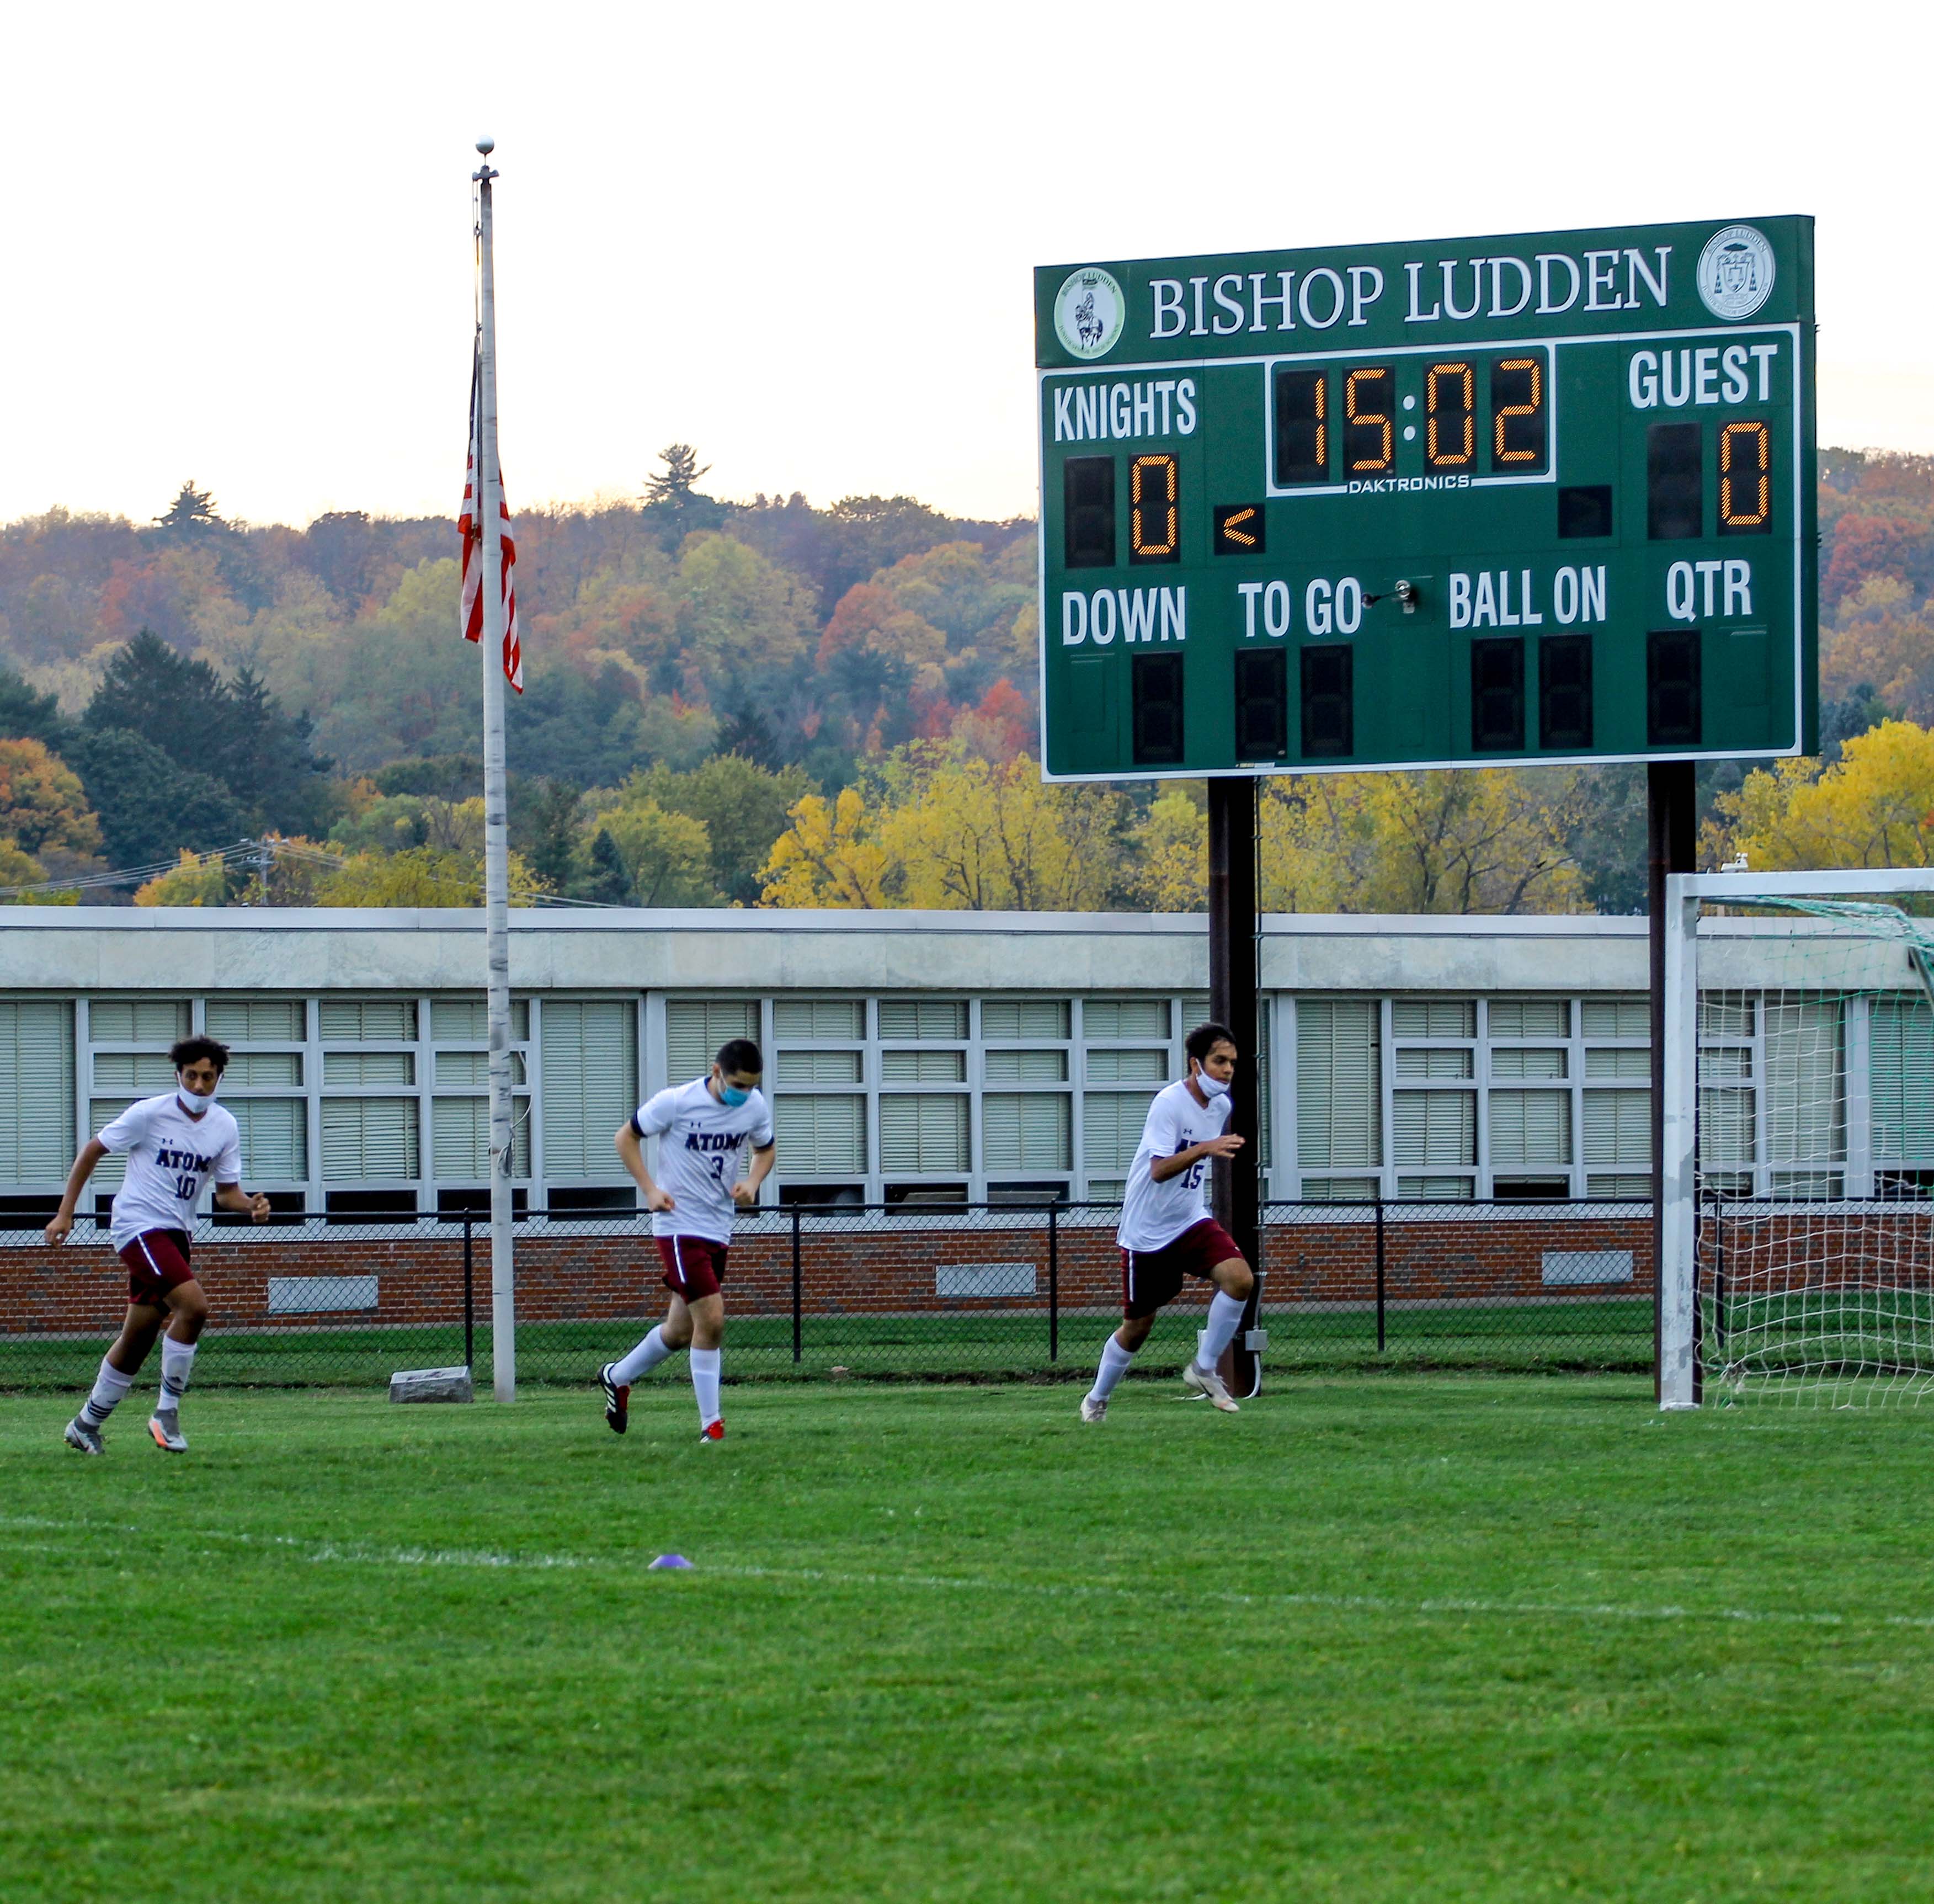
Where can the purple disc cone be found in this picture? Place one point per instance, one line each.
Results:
(670, 1560)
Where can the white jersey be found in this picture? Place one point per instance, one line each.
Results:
(699, 1142)
(171, 1156)
(1153, 1214)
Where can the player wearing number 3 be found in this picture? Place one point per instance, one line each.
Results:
(174, 1144)
(701, 1127)
(1167, 1233)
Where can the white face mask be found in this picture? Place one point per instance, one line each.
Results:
(1211, 1087)
(192, 1105)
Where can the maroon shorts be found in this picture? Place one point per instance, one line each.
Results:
(693, 1266)
(1152, 1278)
(157, 1262)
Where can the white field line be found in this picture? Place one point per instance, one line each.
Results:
(360, 1554)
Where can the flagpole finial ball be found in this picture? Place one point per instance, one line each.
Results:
(487, 146)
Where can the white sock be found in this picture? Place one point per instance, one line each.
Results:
(705, 1383)
(177, 1359)
(641, 1361)
(1115, 1361)
(1224, 1313)
(108, 1387)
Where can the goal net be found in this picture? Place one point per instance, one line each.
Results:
(1798, 1223)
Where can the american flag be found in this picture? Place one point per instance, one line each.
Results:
(471, 530)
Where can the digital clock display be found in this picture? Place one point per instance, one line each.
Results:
(1541, 497)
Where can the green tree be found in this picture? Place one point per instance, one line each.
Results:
(149, 807)
(667, 856)
(743, 807)
(609, 879)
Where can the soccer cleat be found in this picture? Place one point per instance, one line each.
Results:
(617, 1400)
(83, 1439)
(713, 1431)
(166, 1429)
(1092, 1410)
(1207, 1382)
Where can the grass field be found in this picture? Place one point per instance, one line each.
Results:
(1381, 1638)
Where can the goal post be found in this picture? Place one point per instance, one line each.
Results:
(1797, 1234)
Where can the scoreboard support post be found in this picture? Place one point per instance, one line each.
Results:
(1232, 1000)
(1671, 809)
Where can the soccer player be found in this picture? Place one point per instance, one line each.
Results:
(174, 1144)
(701, 1128)
(1167, 1233)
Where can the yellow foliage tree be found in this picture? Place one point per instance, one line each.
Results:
(193, 879)
(1463, 841)
(829, 856)
(421, 876)
(42, 804)
(1880, 638)
(668, 855)
(1171, 855)
(1874, 807)
(967, 833)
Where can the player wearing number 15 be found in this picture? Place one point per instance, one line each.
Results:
(174, 1144)
(1168, 1235)
(701, 1128)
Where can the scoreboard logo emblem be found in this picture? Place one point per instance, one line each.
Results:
(1735, 272)
(1089, 311)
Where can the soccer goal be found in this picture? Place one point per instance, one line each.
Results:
(1798, 1221)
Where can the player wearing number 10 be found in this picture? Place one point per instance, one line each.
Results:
(701, 1128)
(1166, 1234)
(174, 1143)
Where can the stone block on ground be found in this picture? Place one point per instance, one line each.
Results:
(431, 1385)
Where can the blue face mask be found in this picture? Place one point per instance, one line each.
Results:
(732, 1094)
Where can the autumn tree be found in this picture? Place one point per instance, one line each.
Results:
(42, 804)
(667, 856)
(1874, 808)
(1170, 858)
(830, 855)
(742, 806)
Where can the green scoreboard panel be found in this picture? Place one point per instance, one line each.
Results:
(1468, 502)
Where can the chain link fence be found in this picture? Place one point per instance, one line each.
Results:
(907, 1291)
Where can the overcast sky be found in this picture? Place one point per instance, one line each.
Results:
(800, 236)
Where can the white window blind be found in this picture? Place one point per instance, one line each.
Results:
(1125, 1018)
(1628, 1063)
(262, 1070)
(1027, 1067)
(141, 1074)
(473, 1068)
(694, 1030)
(802, 1070)
(369, 1021)
(590, 1083)
(1900, 1038)
(256, 1021)
(1440, 1189)
(371, 1139)
(922, 1018)
(1435, 1061)
(460, 1137)
(1339, 1089)
(1725, 1128)
(1147, 1067)
(36, 1089)
(1434, 1127)
(101, 1112)
(1618, 1128)
(1024, 1018)
(1111, 1123)
(1027, 1131)
(1433, 1018)
(924, 1131)
(1725, 1014)
(924, 1066)
(1530, 1018)
(274, 1137)
(1805, 1095)
(357, 1069)
(137, 1021)
(821, 1135)
(1508, 1061)
(1616, 1018)
(467, 1020)
(1530, 1127)
(818, 1021)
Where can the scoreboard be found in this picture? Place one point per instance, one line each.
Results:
(1547, 498)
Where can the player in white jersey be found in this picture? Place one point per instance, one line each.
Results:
(175, 1145)
(701, 1127)
(1166, 1233)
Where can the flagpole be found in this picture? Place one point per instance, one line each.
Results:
(496, 842)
